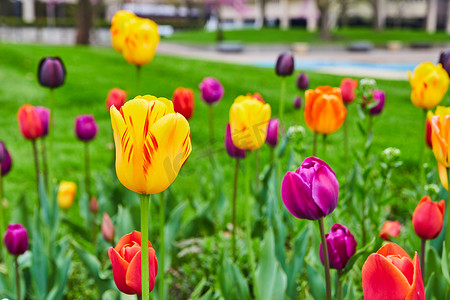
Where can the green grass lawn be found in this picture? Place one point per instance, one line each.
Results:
(92, 71)
(340, 36)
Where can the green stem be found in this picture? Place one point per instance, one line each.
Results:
(324, 149)
(422, 257)
(211, 128)
(17, 277)
(339, 285)
(272, 150)
(36, 166)
(248, 226)
(325, 259)
(422, 152)
(44, 164)
(447, 238)
(162, 217)
(282, 96)
(233, 218)
(87, 175)
(138, 80)
(2, 213)
(51, 125)
(145, 199)
(363, 219)
(314, 144)
(257, 170)
(346, 141)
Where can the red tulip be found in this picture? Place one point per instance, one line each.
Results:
(428, 218)
(30, 123)
(183, 102)
(391, 274)
(390, 228)
(126, 263)
(116, 97)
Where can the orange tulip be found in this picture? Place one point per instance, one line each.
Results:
(440, 128)
(390, 228)
(30, 123)
(391, 274)
(324, 110)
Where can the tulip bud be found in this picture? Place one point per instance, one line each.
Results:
(348, 87)
(116, 97)
(85, 127)
(51, 72)
(108, 230)
(341, 246)
(232, 150)
(272, 132)
(428, 129)
(183, 102)
(212, 90)
(66, 194)
(285, 65)
(312, 191)
(16, 239)
(428, 218)
(298, 102)
(44, 114)
(93, 205)
(6, 163)
(390, 228)
(379, 97)
(30, 123)
(444, 60)
(302, 81)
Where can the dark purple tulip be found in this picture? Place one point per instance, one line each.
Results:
(379, 98)
(444, 60)
(6, 162)
(302, 81)
(298, 102)
(212, 90)
(44, 113)
(51, 72)
(341, 246)
(16, 239)
(232, 150)
(272, 132)
(285, 65)
(85, 127)
(312, 191)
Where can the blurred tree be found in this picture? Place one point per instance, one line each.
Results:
(84, 21)
(432, 12)
(379, 14)
(324, 6)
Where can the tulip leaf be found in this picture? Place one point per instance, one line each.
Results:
(63, 262)
(445, 264)
(124, 221)
(295, 264)
(232, 283)
(171, 231)
(39, 267)
(271, 281)
(316, 283)
(45, 210)
(361, 252)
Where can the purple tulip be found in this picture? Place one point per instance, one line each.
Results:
(444, 60)
(341, 246)
(16, 239)
(85, 127)
(272, 132)
(379, 98)
(212, 90)
(285, 65)
(44, 113)
(5, 161)
(51, 72)
(232, 150)
(312, 191)
(302, 81)
(298, 102)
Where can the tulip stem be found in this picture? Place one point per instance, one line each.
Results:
(282, 96)
(422, 152)
(138, 80)
(346, 141)
(339, 285)
(422, 257)
(248, 229)
(211, 129)
(145, 199)
(314, 144)
(233, 218)
(324, 150)
(447, 238)
(87, 179)
(363, 219)
(44, 164)
(36, 166)
(50, 141)
(325, 259)
(162, 216)
(17, 277)
(256, 170)
(2, 213)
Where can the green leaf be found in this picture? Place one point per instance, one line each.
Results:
(316, 283)
(445, 264)
(45, 210)
(295, 265)
(232, 283)
(124, 221)
(361, 252)
(171, 231)
(39, 267)
(271, 280)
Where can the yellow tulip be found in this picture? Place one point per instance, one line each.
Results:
(152, 143)
(429, 83)
(119, 23)
(249, 118)
(66, 194)
(141, 40)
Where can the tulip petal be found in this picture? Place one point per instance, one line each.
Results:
(134, 272)
(382, 280)
(134, 236)
(120, 267)
(417, 291)
(392, 249)
(296, 195)
(443, 175)
(325, 190)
